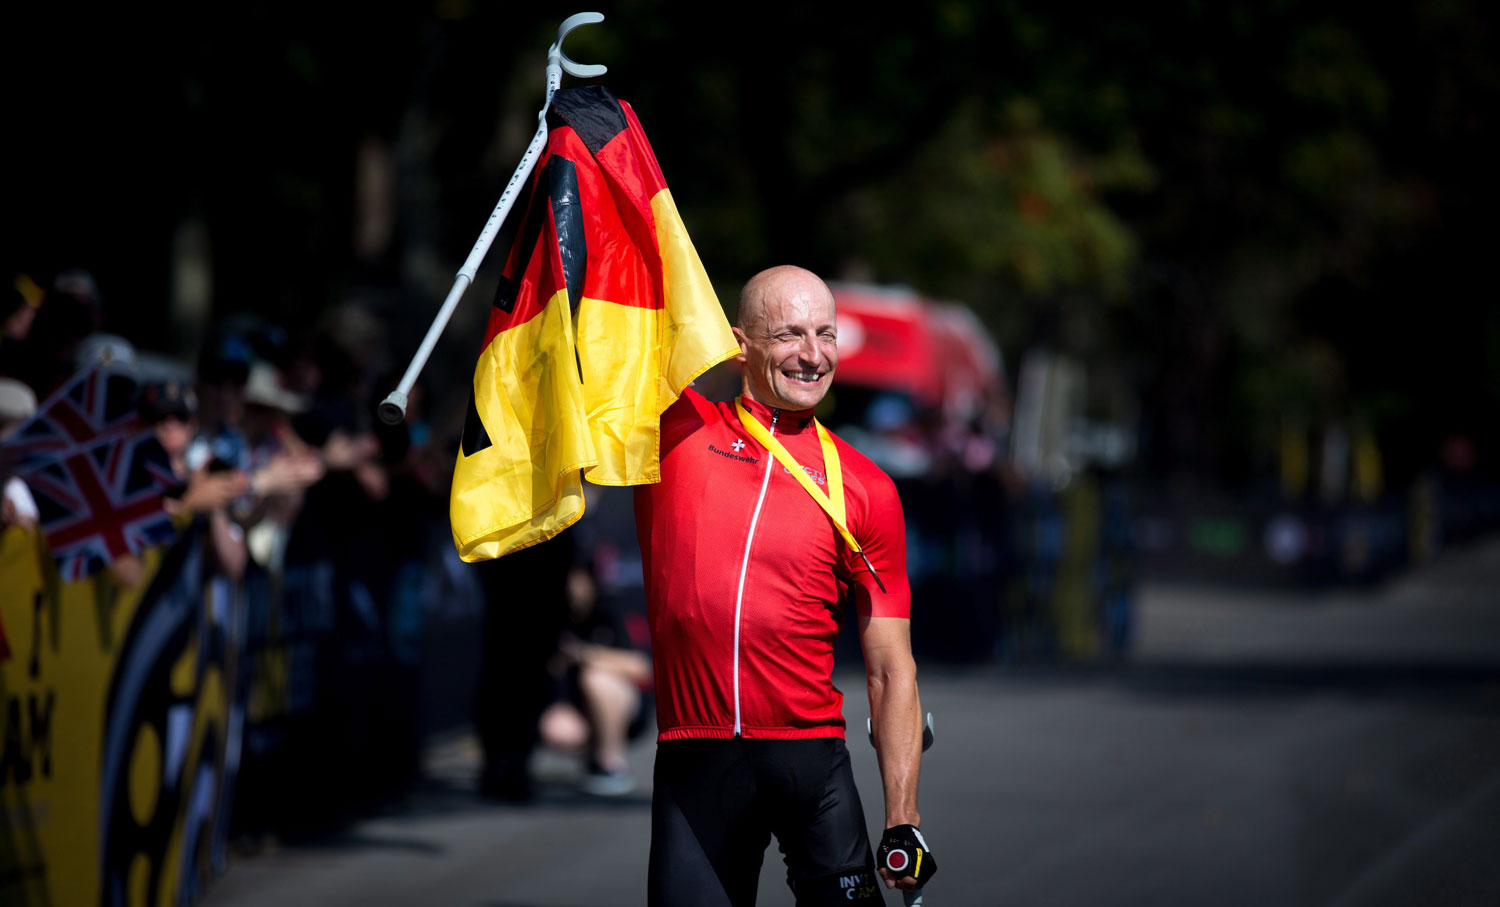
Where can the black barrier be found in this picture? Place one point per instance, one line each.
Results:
(177, 682)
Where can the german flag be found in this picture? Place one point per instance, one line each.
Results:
(603, 316)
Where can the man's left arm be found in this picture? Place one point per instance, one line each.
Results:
(895, 707)
(895, 712)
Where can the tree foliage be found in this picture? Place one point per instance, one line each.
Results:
(1265, 208)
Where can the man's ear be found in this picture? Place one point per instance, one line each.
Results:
(739, 336)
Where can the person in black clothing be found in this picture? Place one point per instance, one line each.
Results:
(525, 612)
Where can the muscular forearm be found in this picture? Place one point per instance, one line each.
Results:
(896, 711)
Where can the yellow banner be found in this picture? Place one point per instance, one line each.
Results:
(117, 727)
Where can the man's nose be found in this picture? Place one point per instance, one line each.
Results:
(808, 351)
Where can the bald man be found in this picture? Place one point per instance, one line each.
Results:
(747, 574)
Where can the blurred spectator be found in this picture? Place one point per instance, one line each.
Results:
(223, 367)
(342, 358)
(600, 673)
(602, 670)
(427, 457)
(525, 612)
(171, 409)
(361, 533)
(72, 310)
(268, 405)
(17, 404)
(79, 286)
(18, 307)
(283, 465)
(207, 490)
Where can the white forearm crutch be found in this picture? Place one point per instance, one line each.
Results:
(393, 408)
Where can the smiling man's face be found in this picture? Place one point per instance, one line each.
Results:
(788, 339)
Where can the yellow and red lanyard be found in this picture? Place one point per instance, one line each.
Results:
(833, 502)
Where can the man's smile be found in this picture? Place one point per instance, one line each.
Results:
(804, 377)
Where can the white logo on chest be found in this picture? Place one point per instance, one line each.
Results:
(738, 445)
(815, 474)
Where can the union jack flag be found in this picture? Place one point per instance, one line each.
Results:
(97, 473)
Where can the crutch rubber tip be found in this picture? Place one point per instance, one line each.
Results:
(393, 408)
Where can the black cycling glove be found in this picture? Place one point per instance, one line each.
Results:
(903, 852)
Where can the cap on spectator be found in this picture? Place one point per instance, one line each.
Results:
(79, 283)
(17, 401)
(263, 388)
(225, 358)
(104, 349)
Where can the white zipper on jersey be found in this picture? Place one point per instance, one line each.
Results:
(739, 595)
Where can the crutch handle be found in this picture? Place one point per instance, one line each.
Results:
(576, 70)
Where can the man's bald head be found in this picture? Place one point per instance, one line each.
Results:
(776, 283)
(788, 338)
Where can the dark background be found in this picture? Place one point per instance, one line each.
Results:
(1253, 225)
(1246, 212)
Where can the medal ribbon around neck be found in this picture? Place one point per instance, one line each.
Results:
(833, 502)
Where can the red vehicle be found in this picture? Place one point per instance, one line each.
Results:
(937, 354)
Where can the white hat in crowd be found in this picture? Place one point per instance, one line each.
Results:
(17, 401)
(264, 388)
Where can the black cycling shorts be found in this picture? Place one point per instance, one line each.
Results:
(717, 803)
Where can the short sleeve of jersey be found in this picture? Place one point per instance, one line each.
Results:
(687, 414)
(882, 533)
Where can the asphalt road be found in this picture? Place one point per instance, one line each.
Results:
(1257, 748)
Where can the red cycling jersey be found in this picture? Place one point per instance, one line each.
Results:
(745, 573)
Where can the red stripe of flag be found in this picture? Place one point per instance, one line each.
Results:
(106, 520)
